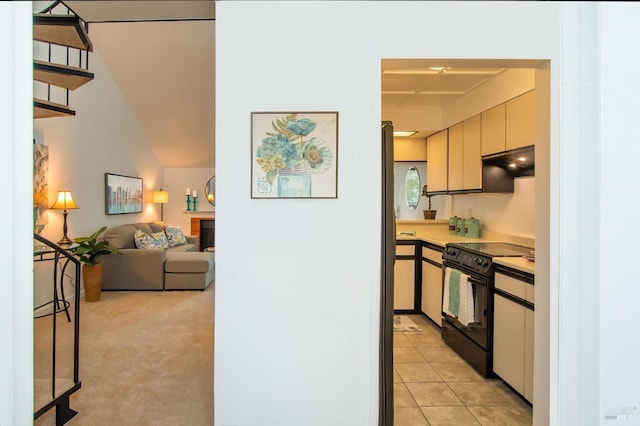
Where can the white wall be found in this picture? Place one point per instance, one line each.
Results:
(16, 340)
(619, 195)
(440, 203)
(512, 214)
(102, 137)
(311, 294)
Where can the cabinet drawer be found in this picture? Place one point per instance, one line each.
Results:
(511, 285)
(432, 254)
(530, 294)
(405, 250)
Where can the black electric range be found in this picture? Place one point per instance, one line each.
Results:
(478, 256)
(472, 338)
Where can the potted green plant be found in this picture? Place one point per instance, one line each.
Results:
(89, 250)
(428, 214)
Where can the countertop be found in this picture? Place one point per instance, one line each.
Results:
(518, 263)
(437, 233)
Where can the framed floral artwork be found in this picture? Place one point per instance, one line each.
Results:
(294, 154)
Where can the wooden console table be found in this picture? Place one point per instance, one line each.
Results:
(204, 229)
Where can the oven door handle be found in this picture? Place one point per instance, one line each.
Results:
(472, 279)
(477, 282)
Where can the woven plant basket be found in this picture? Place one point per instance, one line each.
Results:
(429, 214)
(92, 278)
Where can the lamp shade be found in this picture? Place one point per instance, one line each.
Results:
(160, 197)
(64, 201)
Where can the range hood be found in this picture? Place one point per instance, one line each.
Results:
(499, 170)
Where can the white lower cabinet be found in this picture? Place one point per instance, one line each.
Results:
(508, 342)
(513, 336)
(528, 355)
(432, 285)
(404, 284)
(404, 278)
(432, 292)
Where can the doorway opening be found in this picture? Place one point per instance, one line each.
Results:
(424, 97)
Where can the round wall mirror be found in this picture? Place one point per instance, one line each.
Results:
(412, 188)
(210, 191)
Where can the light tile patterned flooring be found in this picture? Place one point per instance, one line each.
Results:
(434, 386)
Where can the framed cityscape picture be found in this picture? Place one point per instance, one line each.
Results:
(294, 154)
(122, 194)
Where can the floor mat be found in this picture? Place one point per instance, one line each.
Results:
(404, 323)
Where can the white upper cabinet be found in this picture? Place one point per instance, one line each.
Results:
(465, 161)
(521, 121)
(493, 130)
(472, 157)
(456, 150)
(509, 125)
(409, 149)
(437, 153)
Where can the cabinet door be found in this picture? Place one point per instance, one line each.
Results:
(528, 355)
(472, 158)
(437, 161)
(410, 149)
(508, 342)
(432, 292)
(403, 284)
(493, 130)
(521, 121)
(456, 143)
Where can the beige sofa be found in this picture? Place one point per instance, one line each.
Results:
(178, 267)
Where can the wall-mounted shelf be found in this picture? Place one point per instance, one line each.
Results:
(48, 109)
(63, 30)
(59, 75)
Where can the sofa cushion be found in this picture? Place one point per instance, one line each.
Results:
(155, 241)
(121, 237)
(175, 236)
(157, 226)
(183, 247)
(188, 262)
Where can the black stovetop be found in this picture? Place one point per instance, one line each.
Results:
(494, 249)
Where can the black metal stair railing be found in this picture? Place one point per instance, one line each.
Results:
(59, 398)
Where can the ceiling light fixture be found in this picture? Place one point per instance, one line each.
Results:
(410, 71)
(404, 134)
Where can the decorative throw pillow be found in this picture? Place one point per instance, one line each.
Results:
(161, 238)
(156, 241)
(175, 236)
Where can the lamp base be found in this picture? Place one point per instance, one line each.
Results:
(65, 242)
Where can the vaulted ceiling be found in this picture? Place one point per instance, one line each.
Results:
(161, 56)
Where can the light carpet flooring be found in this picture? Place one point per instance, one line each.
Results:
(434, 386)
(146, 358)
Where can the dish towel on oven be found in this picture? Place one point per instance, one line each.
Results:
(457, 297)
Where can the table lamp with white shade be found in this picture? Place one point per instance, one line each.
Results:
(64, 202)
